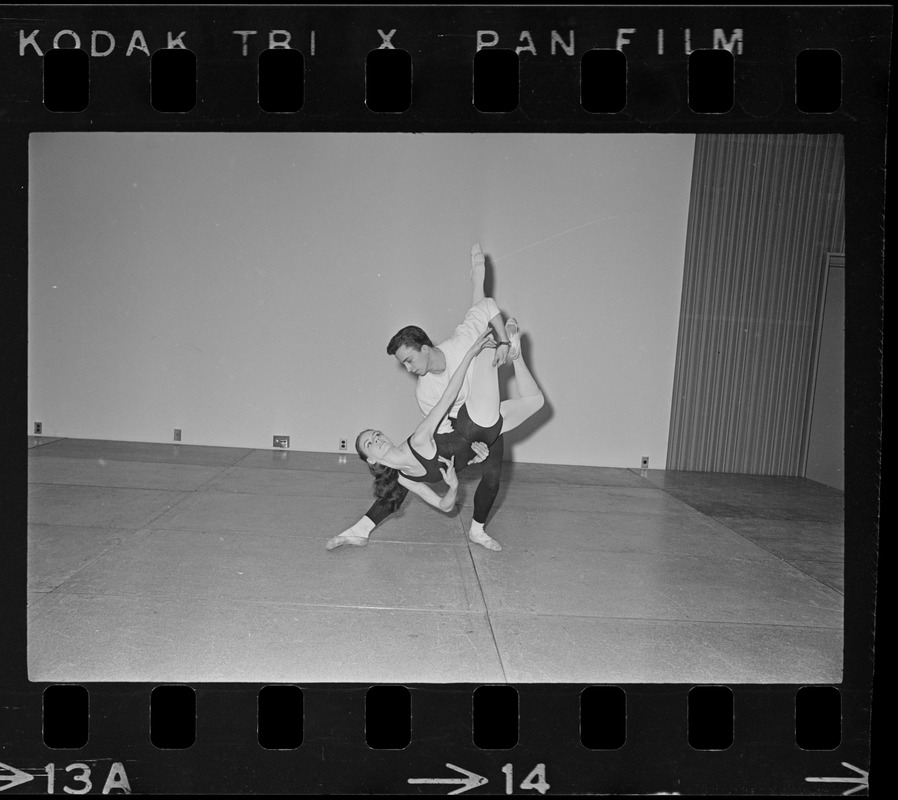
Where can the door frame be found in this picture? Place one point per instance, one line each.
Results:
(831, 261)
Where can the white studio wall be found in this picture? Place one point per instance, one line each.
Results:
(238, 286)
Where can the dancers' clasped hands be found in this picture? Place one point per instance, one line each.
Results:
(488, 341)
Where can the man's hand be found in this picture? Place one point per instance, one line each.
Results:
(481, 451)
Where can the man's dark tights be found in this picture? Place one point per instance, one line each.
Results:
(451, 444)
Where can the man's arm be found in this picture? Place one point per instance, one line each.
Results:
(479, 317)
(476, 321)
(503, 346)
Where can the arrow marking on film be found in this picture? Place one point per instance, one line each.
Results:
(14, 778)
(471, 780)
(862, 781)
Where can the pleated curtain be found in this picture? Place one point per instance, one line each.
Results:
(765, 210)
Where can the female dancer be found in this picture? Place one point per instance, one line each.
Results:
(481, 419)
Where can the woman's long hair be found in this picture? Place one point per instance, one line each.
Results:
(386, 481)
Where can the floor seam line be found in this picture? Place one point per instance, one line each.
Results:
(486, 608)
(287, 603)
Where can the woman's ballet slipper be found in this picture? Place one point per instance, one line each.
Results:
(477, 260)
(514, 337)
(346, 538)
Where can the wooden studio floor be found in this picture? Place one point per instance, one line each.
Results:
(164, 562)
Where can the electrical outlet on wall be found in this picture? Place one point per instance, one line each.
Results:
(645, 462)
(177, 435)
(343, 445)
(282, 442)
(38, 428)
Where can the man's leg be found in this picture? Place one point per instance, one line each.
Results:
(358, 534)
(485, 496)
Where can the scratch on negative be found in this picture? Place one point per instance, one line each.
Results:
(549, 239)
(193, 347)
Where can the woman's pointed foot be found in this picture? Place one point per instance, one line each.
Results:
(514, 337)
(346, 539)
(478, 264)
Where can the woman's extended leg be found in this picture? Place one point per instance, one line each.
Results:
(530, 399)
(478, 274)
(483, 404)
(483, 400)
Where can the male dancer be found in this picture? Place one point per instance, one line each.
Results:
(434, 366)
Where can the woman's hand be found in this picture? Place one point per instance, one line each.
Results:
(502, 351)
(481, 451)
(449, 472)
(484, 340)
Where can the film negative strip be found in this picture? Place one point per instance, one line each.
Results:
(694, 714)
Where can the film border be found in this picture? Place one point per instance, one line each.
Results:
(334, 757)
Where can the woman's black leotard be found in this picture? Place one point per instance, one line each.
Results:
(473, 432)
(469, 430)
(432, 465)
(449, 445)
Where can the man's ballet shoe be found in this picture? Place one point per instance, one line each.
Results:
(488, 542)
(346, 538)
(514, 337)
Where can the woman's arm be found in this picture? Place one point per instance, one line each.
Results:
(444, 503)
(425, 430)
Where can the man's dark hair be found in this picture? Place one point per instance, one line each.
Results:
(410, 336)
